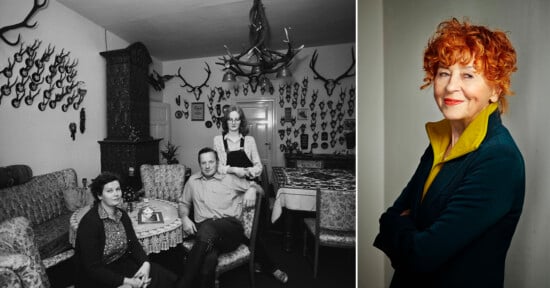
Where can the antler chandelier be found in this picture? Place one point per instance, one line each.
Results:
(258, 61)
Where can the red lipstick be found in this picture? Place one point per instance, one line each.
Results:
(452, 102)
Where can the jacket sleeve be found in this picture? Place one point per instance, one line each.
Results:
(90, 249)
(386, 238)
(493, 184)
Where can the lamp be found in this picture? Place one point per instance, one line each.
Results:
(258, 61)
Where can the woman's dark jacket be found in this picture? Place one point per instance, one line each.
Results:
(90, 243)
(459, 234)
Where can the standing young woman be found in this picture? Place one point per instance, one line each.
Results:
(108, 253)
(238, 155)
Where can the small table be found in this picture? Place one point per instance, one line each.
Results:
(296, 190)
(154, 237)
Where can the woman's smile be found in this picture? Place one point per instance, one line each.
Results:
(452, 102)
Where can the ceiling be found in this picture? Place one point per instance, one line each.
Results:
(183, 29)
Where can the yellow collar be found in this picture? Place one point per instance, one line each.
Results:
(439, 134)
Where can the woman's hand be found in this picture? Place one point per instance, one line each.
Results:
(143, 274)
(249, 173)
(237, 171)
(249, 198)
(188, 226)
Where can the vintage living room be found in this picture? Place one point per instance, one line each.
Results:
(137, 88)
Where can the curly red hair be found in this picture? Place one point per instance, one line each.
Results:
(460, 42)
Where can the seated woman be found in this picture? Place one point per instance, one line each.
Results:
(108, 253)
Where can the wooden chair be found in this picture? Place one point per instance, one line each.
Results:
(163, 181)
(244, 254)
(334, 224)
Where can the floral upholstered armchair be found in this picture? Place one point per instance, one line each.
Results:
(244, 254)
(20, 263)
(163, 181)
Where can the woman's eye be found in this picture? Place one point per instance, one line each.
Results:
(467, 75)
(443, 74)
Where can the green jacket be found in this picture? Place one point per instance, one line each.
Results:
(459, 234)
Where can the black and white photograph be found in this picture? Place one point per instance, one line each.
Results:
(173, 103)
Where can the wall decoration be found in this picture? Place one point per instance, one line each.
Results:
(196, 90)
(72, 129)
(178, 114)
(157, 81)
(302, 113)
(282, 90)
(324, 136)
(208, 124)
(178, 100)
(25, 23)
(82, 120)
(330, 84)
(245, 89)
(60, 78)
(342, 94)
(281, 134)
(197, 111)
(349, 124)
(288, 114)
(304, 141)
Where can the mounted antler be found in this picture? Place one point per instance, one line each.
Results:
(36, 6)
(196, 90)
(330, 84)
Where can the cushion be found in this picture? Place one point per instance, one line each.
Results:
(14, 175)
(52, 236)
(77, 197)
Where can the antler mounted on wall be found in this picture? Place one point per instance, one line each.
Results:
(330, 84)
(196, 90)
(25, 23)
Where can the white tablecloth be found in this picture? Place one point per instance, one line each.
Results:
(296, 188)
(154, 237)
(295, 199)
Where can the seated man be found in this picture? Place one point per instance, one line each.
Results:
(217, 201)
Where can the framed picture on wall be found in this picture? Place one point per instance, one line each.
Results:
(288, 114)
(197, 111)
(302, 114)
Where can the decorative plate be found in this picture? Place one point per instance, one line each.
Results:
(179, 114)
(324, 145)
(208, 124)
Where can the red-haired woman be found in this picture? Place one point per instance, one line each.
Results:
(453, 222)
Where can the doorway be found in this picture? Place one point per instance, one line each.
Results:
(259, 115)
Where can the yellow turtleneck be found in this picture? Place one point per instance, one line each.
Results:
(439, 134)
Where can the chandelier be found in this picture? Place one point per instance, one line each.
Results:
(258, 61)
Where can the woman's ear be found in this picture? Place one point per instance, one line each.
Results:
(495, 96)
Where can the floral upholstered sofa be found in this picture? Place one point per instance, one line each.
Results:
(20, 263)
(47, 202)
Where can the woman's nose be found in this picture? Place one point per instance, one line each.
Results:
(454, 83)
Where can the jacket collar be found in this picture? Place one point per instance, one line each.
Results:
(472, 137)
